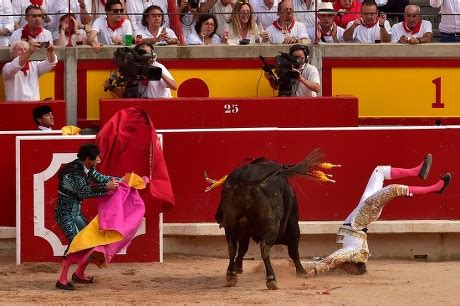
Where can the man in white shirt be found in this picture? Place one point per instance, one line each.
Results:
(285, 30)
(370, 28)
(110, 29)
(147, 89)
(326, 31)
(135, 8)
(156, 89)
(43, 117)
(20, 76)
(305, 12)
(6, 22)
(266, 12)
(413, 30)
(450, 22)
(222, 9)
(33, 30)
(307, 83)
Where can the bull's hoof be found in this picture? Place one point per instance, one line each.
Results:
(232, 279)
(272, 285)
(301, 272)
(239, 267)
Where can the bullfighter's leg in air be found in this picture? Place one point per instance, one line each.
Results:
(353, 251)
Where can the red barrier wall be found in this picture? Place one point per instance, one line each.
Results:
(7, 168)
(37, 191)
(359, 150)
(18, 115)
(246, 112)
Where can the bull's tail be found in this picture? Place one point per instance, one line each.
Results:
(309, 167)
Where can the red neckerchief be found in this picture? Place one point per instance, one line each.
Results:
(144, 82)
(26, 32)
(289, 28)
(117, 25)
(370, 26)
(25, 68)
(104, 2)
(415, 30)
(37, 2)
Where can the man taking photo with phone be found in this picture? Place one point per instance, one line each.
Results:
(20, 76)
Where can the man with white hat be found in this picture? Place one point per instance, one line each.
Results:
(326, 30)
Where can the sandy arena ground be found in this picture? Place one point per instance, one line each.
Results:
(184, 280)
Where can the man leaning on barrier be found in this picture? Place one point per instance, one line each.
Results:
(413, 30)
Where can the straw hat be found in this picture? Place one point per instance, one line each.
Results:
(325, 8)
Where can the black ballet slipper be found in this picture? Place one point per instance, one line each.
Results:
(423, 173)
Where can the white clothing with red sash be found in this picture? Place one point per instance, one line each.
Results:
(43, 36)
(400, 29)
(21, 83)
(278, 33)
(105, 33)
(368, 34)
(326, 37)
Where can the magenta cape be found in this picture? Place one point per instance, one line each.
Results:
(120, 216)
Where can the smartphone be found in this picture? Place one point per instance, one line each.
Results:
(44, 44)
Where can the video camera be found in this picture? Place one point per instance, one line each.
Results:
(285, 74)
(133, 65)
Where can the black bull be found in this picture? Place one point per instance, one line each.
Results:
(257, 202)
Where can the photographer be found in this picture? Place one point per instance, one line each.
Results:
(20, 76)
(147, 89)
(298, 79)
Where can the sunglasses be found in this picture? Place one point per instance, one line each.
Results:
(36, 15)
(211, 24)
(118, 11)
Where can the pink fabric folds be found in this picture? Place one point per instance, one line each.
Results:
(121, 212)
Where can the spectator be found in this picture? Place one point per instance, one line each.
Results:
(43, 117)
(285, 30)
(305, 12)
(68, 27)
(242, 25)
(413, 30)
(81, 9)
(6, 22)
(307, 83)
(370, 28)
(134, 8)
(19, 9)
(266, 12)
(326, 31)
(153, 30)
(20, 76)
(150, 89)
(450, 22)
(110, 29)
(188, 16)
(205, 34)
(222, 9)
(33, 30)
(348, 10)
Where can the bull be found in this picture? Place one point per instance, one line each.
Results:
(257, 202)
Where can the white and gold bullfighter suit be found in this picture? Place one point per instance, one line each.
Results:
(351, 237)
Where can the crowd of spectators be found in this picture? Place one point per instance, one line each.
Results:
(46, 23)
(233, 21)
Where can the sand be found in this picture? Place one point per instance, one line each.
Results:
(186, 280)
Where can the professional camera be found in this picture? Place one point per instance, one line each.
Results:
(285, 74)
(133, 65)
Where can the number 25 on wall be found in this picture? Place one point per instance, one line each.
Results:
(437, 103)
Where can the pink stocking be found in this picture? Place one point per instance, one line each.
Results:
(426, 189)
(82, 266)
(64, 271)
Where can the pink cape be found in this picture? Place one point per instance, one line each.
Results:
(121, 212)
